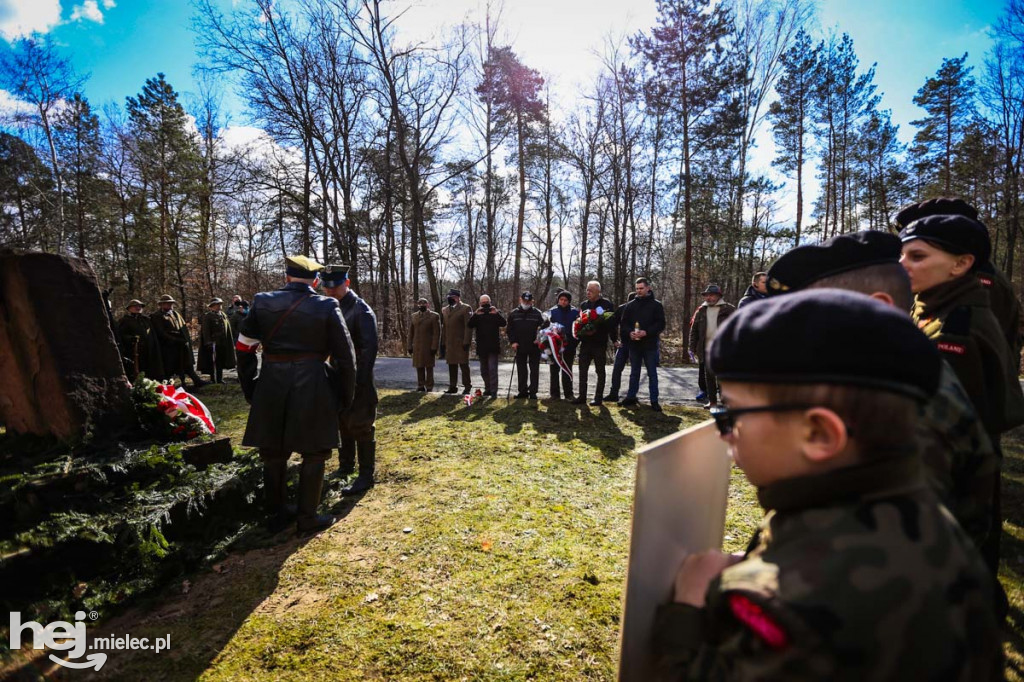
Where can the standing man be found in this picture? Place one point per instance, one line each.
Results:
(296, 398)
(621, 345)
(216, 344)
(523, 323)
(140, 349)
(710, 316)
(488, 321)
(175, 343)
(757, 290)
(358, 423)
(424, 335)
(644, 316)
(594, 348)
(236, 317)
(457, 337)
(564, 314)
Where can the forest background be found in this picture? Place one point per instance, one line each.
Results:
(449, 160)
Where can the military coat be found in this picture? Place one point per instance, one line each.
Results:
(215, 339)
(135, 335)
(362, 325)
(1005, 305)
(175, 342)
(424, 336)
(457, 333)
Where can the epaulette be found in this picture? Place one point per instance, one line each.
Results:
(958, 322)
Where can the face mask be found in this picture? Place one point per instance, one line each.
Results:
(423, 308)
(451, 301)
(527, 306)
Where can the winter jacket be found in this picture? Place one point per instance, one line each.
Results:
(522, 328)
(565, 317)
(488, 330)
(699, 326)
(751, 296)
(649, 313)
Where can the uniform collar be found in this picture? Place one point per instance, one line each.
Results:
(966, 290)
(892, 474)
(298, 286)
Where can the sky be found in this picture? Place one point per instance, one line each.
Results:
(121, 43)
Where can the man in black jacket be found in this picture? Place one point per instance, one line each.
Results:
(621, 345)
(295, 399)
(358, 423)
(523, 323)
(488, 321)
(594, 348)
(645, 317)
(757, 290)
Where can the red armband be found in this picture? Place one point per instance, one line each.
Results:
(759, 622)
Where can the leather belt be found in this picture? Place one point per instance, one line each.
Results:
(293, 357)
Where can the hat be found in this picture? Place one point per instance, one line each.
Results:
(214, 301)
(166, 298)
(712, 289)
(564, 293)
(422, 300)
(800, 267)
(302, 267)
(526, 296)
(826, 336)
(135, 301)
(949, 224)
(455, 292)
(335, 275)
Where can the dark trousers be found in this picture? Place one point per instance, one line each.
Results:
(425, 377)
(708, 382)
(359, 422)
(270, 456)
(646, 355)
(569, 355)
(453, 376)
(489, 372)
(621, 356)
(528, 383)
(598, 356)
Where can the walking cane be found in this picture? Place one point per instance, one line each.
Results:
(508, 393)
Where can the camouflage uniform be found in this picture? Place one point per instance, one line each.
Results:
(857, 574)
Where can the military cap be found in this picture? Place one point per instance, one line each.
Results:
(712, 289)
(455, 292)
(302, 266)
(800, 267)
(135, 301)
(526, 296)
(422, 300)
(564, 293)
(826, 336)
(214, 301)
(166, 298)
(335, 275)
(949, 224)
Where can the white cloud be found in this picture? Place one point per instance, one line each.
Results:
(109, 4)
(88, 10)
(25, 17)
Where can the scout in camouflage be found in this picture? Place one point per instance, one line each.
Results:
(857, 572)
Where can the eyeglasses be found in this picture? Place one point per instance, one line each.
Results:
(725, 417)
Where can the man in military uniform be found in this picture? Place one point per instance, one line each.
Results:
(457, 338)
(857, 571)
(296, 398)
(239, 313)
(356, 423)
(175, 343)
(424, 337)
(140, 350)
(216, 344)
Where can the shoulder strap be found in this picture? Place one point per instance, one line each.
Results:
(282, 319)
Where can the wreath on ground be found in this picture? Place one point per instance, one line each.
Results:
(169, 413)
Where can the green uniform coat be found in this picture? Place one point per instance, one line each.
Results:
(424, 336)
(457, 333)
(175, 342)
(216, 331)
(135, 334)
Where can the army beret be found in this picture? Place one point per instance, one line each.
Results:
(826, 336)
(302, 266)
(455, 292)
(949, 224)
(800, 267)
(712, 289)
(166, 298)
(135, 301)
(335, 275)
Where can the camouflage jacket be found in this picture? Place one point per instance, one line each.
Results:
(858, 574)
(961, 465)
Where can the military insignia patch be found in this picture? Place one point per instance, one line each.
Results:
(985, 281)
(955, 348)
(755, 618)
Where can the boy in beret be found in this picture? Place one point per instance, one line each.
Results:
(857, 572)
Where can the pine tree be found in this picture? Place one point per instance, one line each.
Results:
(948, 99)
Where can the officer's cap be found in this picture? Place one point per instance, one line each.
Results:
(214, 301)
(712, 289)
(455, 292)
(335, 275)
(135, 301)
(949, 224)
(302, 267)
(526, 296)
(800, 267)
(826, 336)
(166, 298)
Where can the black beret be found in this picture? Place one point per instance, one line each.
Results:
(949, 224)
(826, 336)
(800, 267)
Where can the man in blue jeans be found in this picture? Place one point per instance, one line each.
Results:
(621, 351)
(644, 316)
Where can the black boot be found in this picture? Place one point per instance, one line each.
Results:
(311, 483)
(346, 458)
(367, 450)
(275, 482)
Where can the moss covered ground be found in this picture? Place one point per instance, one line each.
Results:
(494, 547)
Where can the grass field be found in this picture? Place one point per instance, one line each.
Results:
(493, 548)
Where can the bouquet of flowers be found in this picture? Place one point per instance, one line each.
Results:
(169, 412)
(590, 321)
(551, 340)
